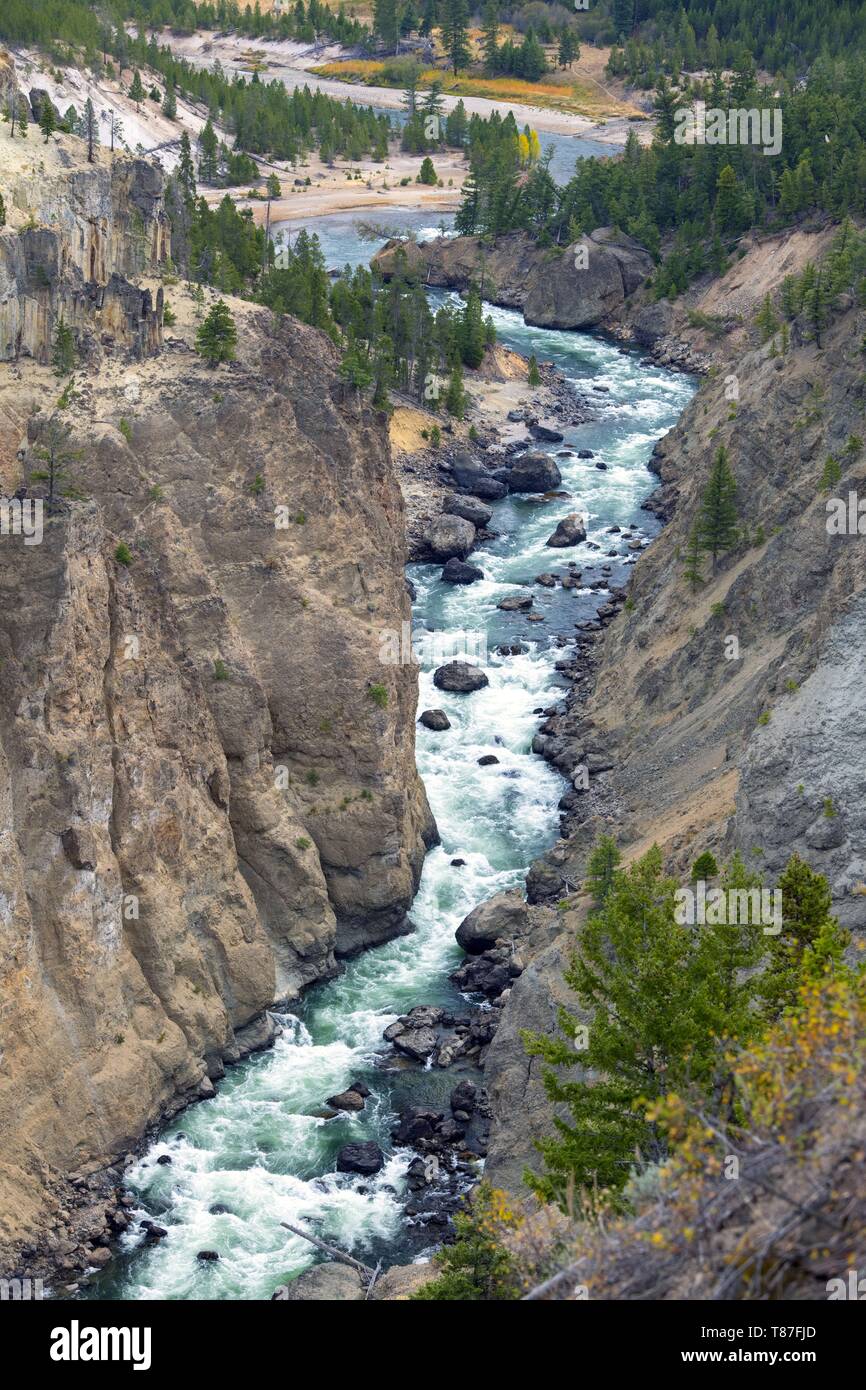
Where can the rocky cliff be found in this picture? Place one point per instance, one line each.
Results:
(207, 779)
(556, 287)
(728, 716)
(78, 238)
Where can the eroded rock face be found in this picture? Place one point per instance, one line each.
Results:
(575, 287)
(200, 802)
(92, 231)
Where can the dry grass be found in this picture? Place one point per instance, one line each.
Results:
(562, 91)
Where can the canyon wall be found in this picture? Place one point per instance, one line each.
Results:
(207, 775)
(78, 237)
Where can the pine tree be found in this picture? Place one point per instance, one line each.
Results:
(601, 869)
(455, 397)
(385, 22)
(476, 1267)
(472, 331)
(136, 90)
(811, 940)
(47, 119)
(62, 348)
(2, 212)
(10, 113)
(534, 374)
(217, 337)
(185, 173)
(816, 304)
(55, 450)
(208, 163)
(660, 997)
(623, 17)
(569, 48)
(427, 174)
(490, 37)
(169, 102)
(90, 128)
(693, 570)
(766, 319)
(454, 30)
(717, 520)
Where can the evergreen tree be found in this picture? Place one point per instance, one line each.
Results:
(454, 30)
(476, 1267)
(816, 304)
(811, 940)
(766, 319)
(55, 450)
(717, 519)
(455, 397)
(136, 90)
(217, 337)
(623, 18)
(47, 119)
(472, 330)
(534, 378)
(169, 102)
(601, 869)
(569, 48)
(23, 119)
(693, 571)
(427, 174)
(385, 22)
(208, 162)
(2, 212)
(90, 128)
(661, 997)
(62, 348)
(490, 37)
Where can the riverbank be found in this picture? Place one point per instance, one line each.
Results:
(290, 63)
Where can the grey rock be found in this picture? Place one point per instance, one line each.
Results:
(460, 676)
(570, 531)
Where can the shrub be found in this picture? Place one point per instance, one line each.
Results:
(123, 554)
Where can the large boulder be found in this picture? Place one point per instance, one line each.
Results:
(460, 676)
(456, 571)
(505, 915)
(471, 476)
(362, 1157)
(534, 473)
(435, 719)
(325, 1283)
(449, 536)
(588, 282)
(470, 508)
(570, 531)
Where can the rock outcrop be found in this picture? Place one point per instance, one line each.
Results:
(207, 779)
(78, 239)
(556, 287)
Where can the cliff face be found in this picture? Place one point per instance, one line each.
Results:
(726, 717)
(77, 238)
(555, 287)
(207, 779)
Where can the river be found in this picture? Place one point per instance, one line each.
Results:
(262, 1150)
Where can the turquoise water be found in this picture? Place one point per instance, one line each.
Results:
(262, 1147)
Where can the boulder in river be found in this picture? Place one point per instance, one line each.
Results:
(460, 676)
(346, 1100)
(546, 433)
(547, 581)
(435, 719)
(417, 1043)
(448, 536)
(515, 603)
(534, 473)
(587, 282)
(208, 1256)
(502, 915)
(471, 476)
(456, 571)
(488, 760)
(365, 1157)
(570, 531)
(470, 508)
